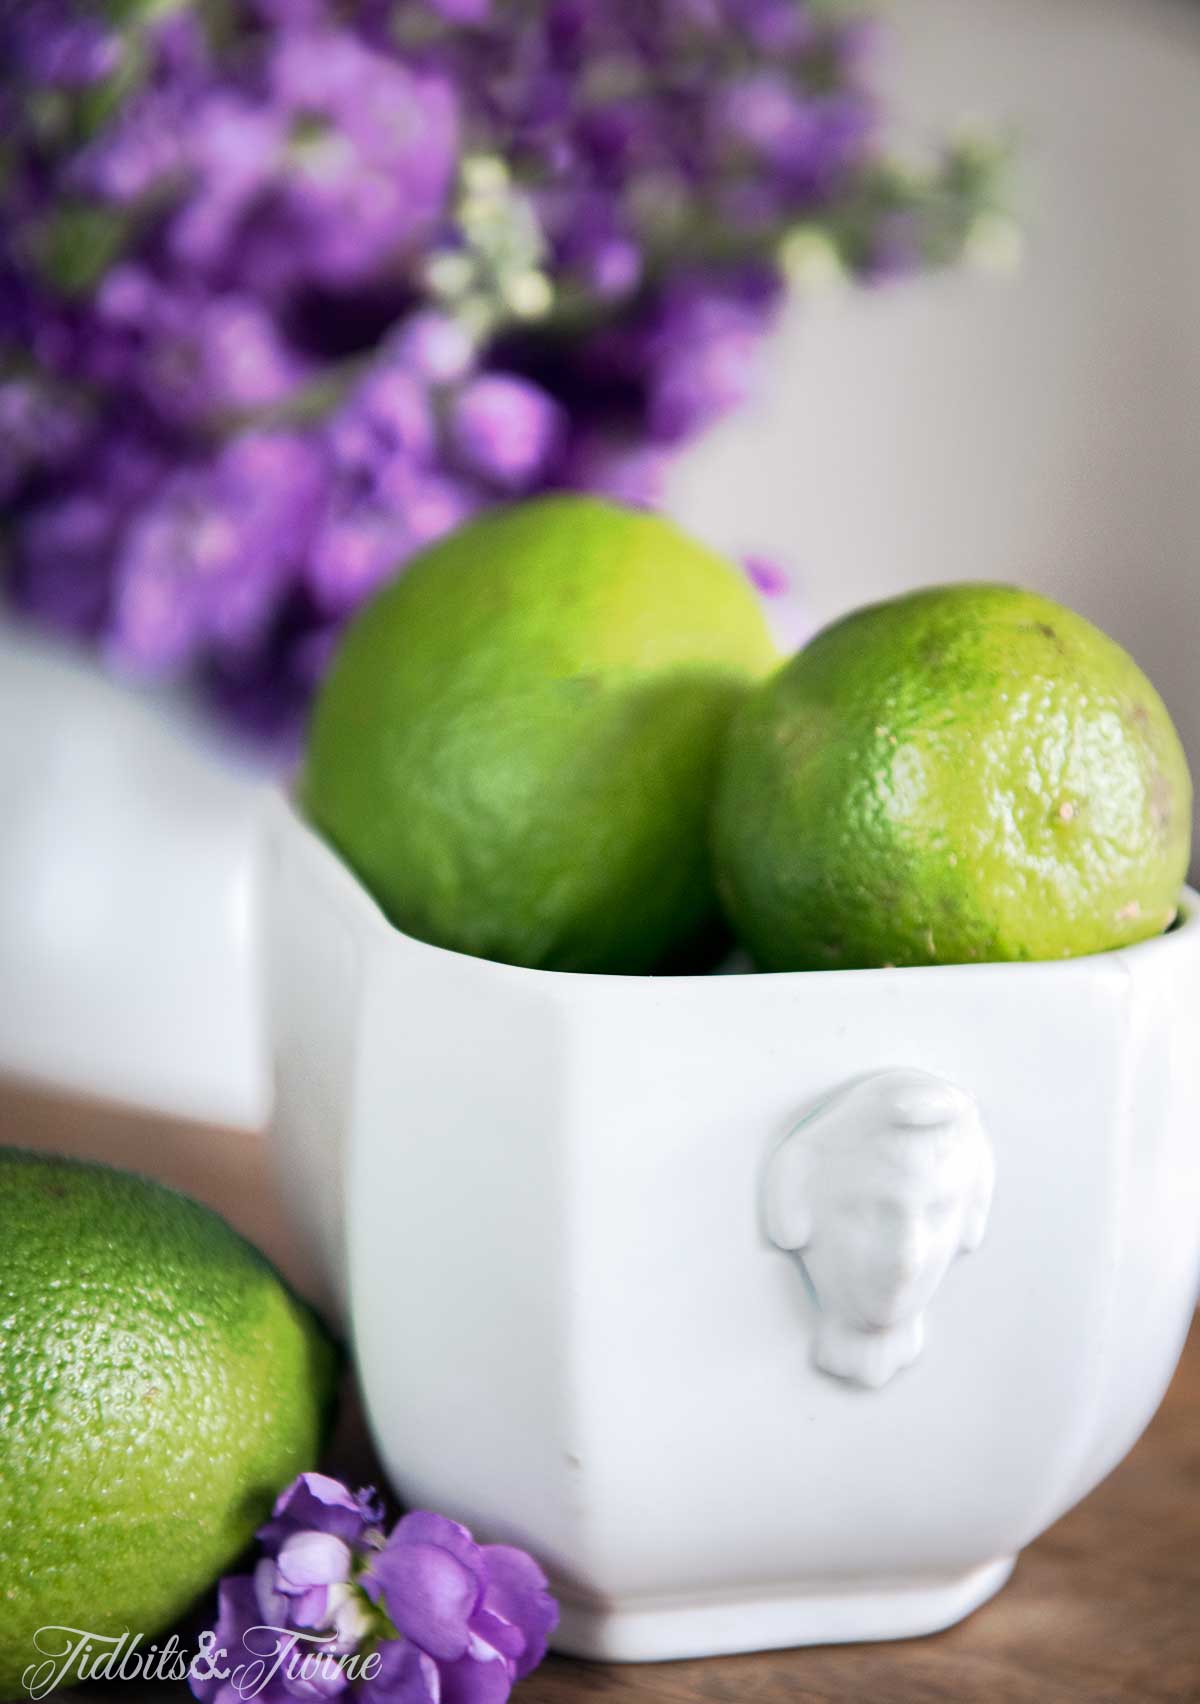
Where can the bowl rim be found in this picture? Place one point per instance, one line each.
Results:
(284, 819)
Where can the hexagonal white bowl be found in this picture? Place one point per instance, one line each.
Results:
(540, 1197)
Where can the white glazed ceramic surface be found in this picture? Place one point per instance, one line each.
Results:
(550, 1201)
(878, 1189)
(128, 943)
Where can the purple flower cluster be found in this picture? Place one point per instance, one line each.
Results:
(291, 288)
(422, 1615)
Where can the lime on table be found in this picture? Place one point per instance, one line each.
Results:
(516, 745)
(158, 1386)
(967, 773)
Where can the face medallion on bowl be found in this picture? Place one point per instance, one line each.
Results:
(878, 1190)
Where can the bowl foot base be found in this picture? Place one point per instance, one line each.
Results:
(666, 1628)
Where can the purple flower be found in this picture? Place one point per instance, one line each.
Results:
(38, 430)
(141, 150)
(767, 577)
(434, 347)
(283, 300)
(237, 360)
(55, 47)
(789, 618)
(202, 562)
(369, 166)
(234, 155)
(426, 504)
(64, 559)
(423, 1615)
(301, 1606)
(237, 1612)
(765, 111)
(595, 246)
(356, 550)
(388, 412)
(461, 11)
(315, 1502)
(505, 429)
(631, 473)
(699, 356)
(406, 1675)
(776, 26)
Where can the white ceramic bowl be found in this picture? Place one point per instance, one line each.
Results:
(658, 1276)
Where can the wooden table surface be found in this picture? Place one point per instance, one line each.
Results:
(1104, 1607)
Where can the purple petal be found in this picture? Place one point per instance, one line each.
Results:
(430, 1597)
(371, 172)
(767, 576)
(64, 561)
(426, 505)
(312, 1559)
(55, 48)
(370, 1504)
(630, 473)
(777, 26)
(396, 407)
(422, 1526)
(430, 1576)
(247, 362)
(317, 1503)
(435, 347)
(237, 1610)
(461, 11)
(131, 157)
(470, 1681)
(518, 1592)
(310, 1674)
(310, 1608)
(505, 429)
(501, 1636)
(272, 1605)
(251, 1650)
(352, 554)
(406, 1676)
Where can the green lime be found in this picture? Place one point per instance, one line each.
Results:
(967, 773)
(158, 1387)
(516, 745)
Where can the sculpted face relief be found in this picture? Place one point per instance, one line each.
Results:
(878, 1191)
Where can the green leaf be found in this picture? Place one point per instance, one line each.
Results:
(77, 244)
